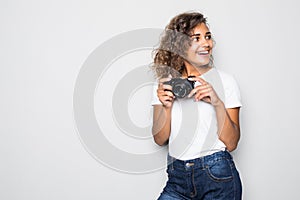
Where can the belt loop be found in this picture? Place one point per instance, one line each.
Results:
(170, 162)
(202, 159)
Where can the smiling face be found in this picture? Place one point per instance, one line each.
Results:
(200, 50)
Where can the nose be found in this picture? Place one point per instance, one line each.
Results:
(203, 42)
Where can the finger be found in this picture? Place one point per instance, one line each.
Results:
(202, 96)
(170, 94)
(164, 86)
(205, 98)
(164, 100)
(194, 91)
(167, 93)
(162, 80)
(191, 94)
(204, 90)
(201, 87)
(199, 79)
(198, 89)
(167, 104)
(163, 92)
(160, 85)
(168, 98)
(203, 93)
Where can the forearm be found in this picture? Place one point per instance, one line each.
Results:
(228, 131)
(161, 124)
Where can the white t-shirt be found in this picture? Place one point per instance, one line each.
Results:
(194, 124)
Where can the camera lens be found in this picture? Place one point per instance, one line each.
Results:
(181, 87)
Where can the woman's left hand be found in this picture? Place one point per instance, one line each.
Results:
(204, 92)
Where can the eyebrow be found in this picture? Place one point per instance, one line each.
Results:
(198, 34)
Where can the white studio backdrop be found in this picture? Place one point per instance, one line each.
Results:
(43, 46)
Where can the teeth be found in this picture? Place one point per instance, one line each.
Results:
(203, 52)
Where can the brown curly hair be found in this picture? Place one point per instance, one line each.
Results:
(175, 40)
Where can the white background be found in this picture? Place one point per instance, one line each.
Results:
(43, 45)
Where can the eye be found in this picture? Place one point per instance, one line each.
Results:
(196, 39)
(208, 37)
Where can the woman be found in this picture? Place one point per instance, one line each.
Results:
(203, 127)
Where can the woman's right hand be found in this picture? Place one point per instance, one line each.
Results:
(164, 93)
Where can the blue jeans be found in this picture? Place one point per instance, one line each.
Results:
(212, 177)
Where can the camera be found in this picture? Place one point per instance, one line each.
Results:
(180, 87)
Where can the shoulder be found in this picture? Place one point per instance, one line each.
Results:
(224, 75)
(228, 79)
(231, 89)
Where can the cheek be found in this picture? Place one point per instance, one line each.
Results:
(193, 48)
(190, 53)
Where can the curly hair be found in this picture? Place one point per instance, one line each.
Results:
(175, 40)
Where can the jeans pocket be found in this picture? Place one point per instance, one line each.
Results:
(219, 170)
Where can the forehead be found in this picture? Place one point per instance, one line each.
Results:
(200, 28)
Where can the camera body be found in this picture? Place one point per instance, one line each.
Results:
(180, 87)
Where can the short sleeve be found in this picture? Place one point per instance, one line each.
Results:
(155, 100)
(232, 92)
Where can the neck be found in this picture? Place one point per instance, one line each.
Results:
(191, 70)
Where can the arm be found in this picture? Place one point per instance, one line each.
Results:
(227, 119)
(228, 125)
(161, 124)
(161, 128)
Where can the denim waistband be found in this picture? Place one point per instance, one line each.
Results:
(198, 162)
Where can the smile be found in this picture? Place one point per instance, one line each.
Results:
(202, 52)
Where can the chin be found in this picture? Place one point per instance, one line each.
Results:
(202, 62)
(206, 64)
